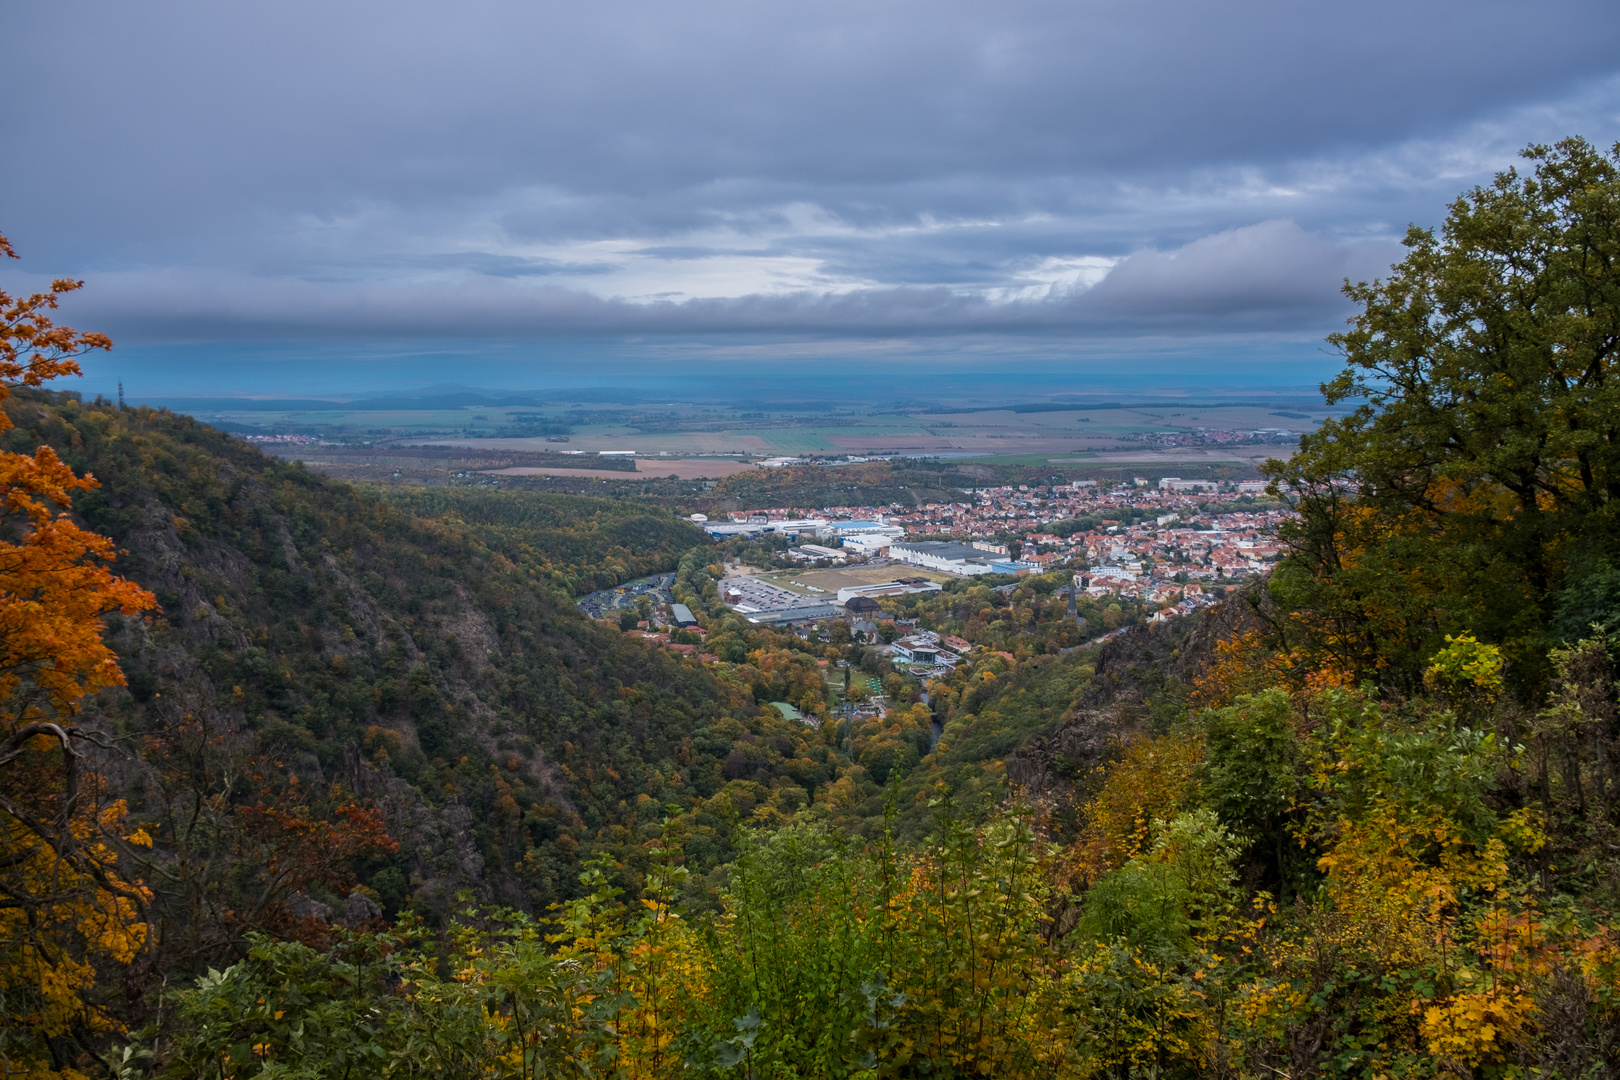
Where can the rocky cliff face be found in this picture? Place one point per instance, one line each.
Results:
(1141, 680)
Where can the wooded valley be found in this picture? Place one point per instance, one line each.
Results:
(305, 779)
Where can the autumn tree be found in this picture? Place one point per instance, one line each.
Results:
(1477, 485)
(65, 908)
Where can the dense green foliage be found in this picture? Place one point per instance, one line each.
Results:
(830, 963)
(1024, 679)
(1487, 447)
(586, 544)
(1428, 932)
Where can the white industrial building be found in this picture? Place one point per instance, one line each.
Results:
(871, 545)
(965, 560)
(866, 538)
(795, 527)
(732, 528)
(808, 552)
(865, 528)
(887, 588)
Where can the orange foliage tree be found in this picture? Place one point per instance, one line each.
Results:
(64, 905)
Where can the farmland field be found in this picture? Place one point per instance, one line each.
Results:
(680, 468)
(1163, 432)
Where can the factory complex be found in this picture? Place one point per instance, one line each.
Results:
(1168, 545)
(1164, 543)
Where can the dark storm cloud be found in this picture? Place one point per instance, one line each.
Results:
(1271, 267)
(1272, 276)
(399, 168)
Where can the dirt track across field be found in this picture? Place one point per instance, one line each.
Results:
(680, 468)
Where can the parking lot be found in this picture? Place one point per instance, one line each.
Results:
(756, 595)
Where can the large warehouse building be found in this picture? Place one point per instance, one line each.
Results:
(952, 558)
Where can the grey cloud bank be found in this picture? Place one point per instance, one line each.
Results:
(1268, 277)
(1129, 171)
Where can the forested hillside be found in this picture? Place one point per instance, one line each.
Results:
(352, 706)
(584, 544)
(419, 655)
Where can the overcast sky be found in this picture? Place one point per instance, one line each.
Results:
(1122, 172)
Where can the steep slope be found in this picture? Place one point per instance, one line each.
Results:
(320, 645)
(1140, 683)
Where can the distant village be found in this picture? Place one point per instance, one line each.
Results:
(1149, 540)
(1168, 545)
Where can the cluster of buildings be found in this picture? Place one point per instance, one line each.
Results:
(1164, 542)
(1174, 566)
(293, 440)
(1022, 511)
(862, 537)
(1239, 545)
(658, 589)
(963, 560)
(1215, 437)
(923, 653)
(766, 604)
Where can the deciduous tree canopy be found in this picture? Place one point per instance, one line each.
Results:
(1478, 478)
